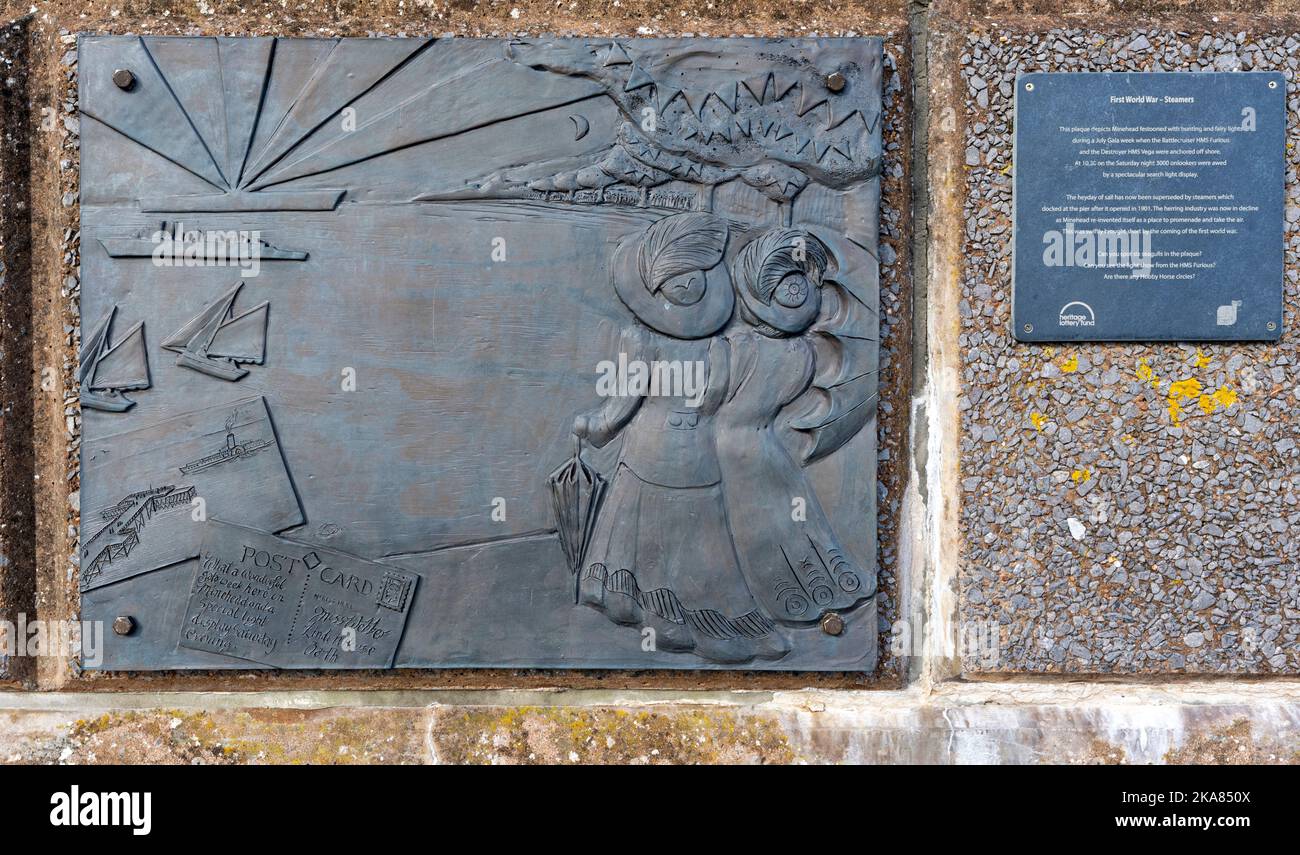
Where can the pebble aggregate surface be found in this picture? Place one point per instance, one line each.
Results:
(1125, 508)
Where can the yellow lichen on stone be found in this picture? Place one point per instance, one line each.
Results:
(1180, 391)
(1185, 390)
(1080, 475)
(1232, 744)
(608, 736)
(1175, 411)
(1103, 753)
(1146, 374)
(149, 737)
(1222, 397)
(1071, 365)
(169, 737)
(1200, 360)
(1038, 420)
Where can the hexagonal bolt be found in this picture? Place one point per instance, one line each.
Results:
(124, 625)
(124, 79)
(835, 81)
(832, 624)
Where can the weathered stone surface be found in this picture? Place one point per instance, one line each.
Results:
(164, 737)
(1010, 724)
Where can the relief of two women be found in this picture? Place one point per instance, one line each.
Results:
(710, 532)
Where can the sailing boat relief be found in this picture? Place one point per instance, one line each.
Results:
(217, 340)
(108, 370)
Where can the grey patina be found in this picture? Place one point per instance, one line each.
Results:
(578, 370)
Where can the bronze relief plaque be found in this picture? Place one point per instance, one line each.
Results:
(432, 353)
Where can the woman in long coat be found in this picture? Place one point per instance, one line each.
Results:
(661, 554)
(795, 565)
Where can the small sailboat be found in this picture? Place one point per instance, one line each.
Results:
(217, 341)
(108, 370)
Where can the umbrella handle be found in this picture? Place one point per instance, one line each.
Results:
(577, 447)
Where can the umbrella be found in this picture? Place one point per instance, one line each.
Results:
(576, 491)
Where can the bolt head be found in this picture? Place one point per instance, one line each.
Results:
(832, 624)
(835, 81)
(124, 79)
(124, 625)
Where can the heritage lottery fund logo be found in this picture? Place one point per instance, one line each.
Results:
(106, 810)
(1077, 314)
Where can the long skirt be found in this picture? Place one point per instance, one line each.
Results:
(662, 557)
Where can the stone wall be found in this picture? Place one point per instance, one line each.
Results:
(1182, 580)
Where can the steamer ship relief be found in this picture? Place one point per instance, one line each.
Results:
(233, 450)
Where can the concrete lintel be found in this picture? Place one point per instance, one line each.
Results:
(1005, 695)
(1020, 722)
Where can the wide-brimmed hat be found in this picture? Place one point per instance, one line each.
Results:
(675, 244)
(779, 278)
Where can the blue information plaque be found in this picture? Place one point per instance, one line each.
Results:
(1149, 206)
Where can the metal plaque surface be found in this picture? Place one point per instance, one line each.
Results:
(450, 353)
(1149, 206)
(147, 491)
(276, 602)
